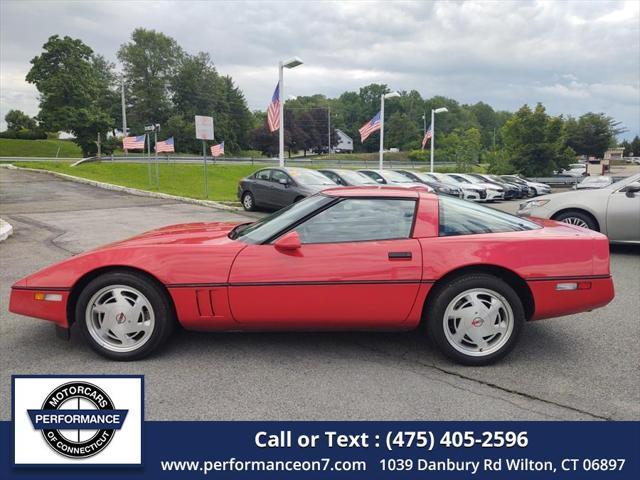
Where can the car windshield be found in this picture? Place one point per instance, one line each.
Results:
(267, 227)
(303, 176)
(356, 178)
(460, 179)
(396, 177)
(424, 177)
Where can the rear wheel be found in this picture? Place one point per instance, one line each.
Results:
(578, 218)
(248, 202)
(475, 319)
(124, 316)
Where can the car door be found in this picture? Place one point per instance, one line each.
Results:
(623, 216)
(261, 187)
(357, 267)
(281, 194)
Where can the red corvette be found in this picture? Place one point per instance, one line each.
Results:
(355, 258)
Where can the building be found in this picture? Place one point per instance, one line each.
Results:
(614, 154)
(345, 142)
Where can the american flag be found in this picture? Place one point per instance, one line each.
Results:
(273, 112)
(133, 143)
(370, 127)
(427, 135)
(165, 146)
(217, 150)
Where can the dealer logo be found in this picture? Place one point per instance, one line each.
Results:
(74, 420)
(78, 419)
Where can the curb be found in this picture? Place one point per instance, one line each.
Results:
(6, 230)
(132, 191)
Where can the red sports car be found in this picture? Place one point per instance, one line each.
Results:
(354, 258)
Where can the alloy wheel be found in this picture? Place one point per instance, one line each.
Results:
(478, 322)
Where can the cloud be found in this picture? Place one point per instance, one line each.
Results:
(572, 56)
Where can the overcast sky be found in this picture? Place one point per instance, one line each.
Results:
(572, 56)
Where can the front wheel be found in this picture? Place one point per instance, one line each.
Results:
(577, 218)
(475, 319)
(248, 202)
(124, 316)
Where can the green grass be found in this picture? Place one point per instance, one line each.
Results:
(13, 147)
(175, 179)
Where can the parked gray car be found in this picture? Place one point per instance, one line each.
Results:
(278, 187)
(613, 210)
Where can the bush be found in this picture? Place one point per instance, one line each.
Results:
(24, 134)
(419, 155)
(247, 153)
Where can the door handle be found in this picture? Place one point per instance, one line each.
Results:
(400, 256)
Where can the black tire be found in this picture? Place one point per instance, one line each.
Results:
(533, 192)
(445, 293)
(163, 311)
(248, 201)
(574, 217)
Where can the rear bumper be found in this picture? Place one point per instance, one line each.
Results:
(551, 302)
(23, 302)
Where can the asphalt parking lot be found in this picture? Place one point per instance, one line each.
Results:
(579, 367)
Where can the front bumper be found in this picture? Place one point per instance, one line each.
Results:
(52, 306)
(494, 195)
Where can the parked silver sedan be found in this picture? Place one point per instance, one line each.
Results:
(613, 210)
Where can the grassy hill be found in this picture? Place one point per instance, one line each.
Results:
(13, 147)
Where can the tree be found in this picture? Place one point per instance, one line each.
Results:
(70, 89)
(592, 134)
(535, 142)
(402, 131)
(18, 120)
(635, 146)
(627, 148)
(149, 61)
(462, 147)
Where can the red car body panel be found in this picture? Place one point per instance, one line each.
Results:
(221, 284)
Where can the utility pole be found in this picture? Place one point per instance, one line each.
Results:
(99, 150)
(424, 122)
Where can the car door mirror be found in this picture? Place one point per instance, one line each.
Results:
(283, 181)
(288, 242)
(631, 189)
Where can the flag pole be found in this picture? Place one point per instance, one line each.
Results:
(433, 135)
(281, 114)
(381, 129)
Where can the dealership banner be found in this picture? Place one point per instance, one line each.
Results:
(93, 427)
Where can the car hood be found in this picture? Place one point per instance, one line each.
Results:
(572, 195)
(471, 186)
(181, 234)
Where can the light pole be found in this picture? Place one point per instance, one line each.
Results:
(382, 97)
(291, 63)
(433, 129)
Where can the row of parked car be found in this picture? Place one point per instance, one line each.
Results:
(279, 187)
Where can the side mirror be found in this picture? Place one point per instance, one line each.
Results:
(380, 180)
(288, 242)
(283, 181)
(631, 189)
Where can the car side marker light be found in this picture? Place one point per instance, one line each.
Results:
(48, 297)
(573, 286)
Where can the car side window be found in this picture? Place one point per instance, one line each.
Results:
(335, 178)
(277, 175)
(359, 220)
(459, 217)
(263, 175)
(375, 176)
